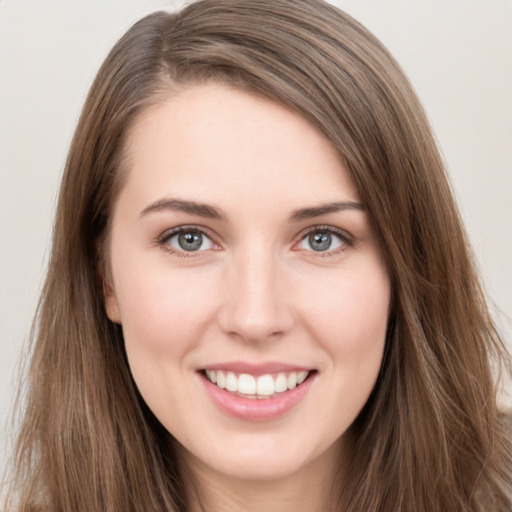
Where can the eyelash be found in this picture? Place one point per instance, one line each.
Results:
(346, 239)
(163, 240)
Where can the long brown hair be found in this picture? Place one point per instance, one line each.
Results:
(431, 437)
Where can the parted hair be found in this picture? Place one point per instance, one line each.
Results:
(431, 437)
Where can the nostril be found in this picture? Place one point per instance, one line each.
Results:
(267, 326)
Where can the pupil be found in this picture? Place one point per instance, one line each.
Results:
(320, 241)
(190, 241)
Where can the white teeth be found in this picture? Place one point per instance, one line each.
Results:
(301, 377)
(231, 382)
(254, 387)
(221, 380)
(281, 384)
(292, 380)
(265, 385)
(246, 384)
(211, 375)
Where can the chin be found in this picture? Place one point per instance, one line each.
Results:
(264, 459)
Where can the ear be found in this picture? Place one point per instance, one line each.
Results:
(109, 296)
(111, 304)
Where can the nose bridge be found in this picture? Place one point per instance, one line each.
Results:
(256, 305)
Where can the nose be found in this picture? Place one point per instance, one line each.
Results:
(256, 305)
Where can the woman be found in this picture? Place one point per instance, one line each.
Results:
(260, 295)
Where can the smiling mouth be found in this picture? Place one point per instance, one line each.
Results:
(256, 387)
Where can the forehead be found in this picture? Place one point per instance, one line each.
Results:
(208, 140)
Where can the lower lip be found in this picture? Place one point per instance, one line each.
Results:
(255, 409)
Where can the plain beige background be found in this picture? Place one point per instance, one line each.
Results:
(458, 54)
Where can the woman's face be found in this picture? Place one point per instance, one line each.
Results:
(240, 253)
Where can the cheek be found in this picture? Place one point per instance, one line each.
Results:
(163, 312)
(349, 315)
(164, 315)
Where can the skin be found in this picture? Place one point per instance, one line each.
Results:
(255, 291)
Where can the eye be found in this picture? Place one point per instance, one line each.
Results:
(323, 240)
(188, 240)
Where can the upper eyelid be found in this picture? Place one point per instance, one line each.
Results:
(169, 233)
(345, 235)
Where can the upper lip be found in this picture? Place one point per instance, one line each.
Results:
(256, 368)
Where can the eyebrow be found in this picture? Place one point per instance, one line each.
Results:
(181, 205)
(212, 212)
(324, 209)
